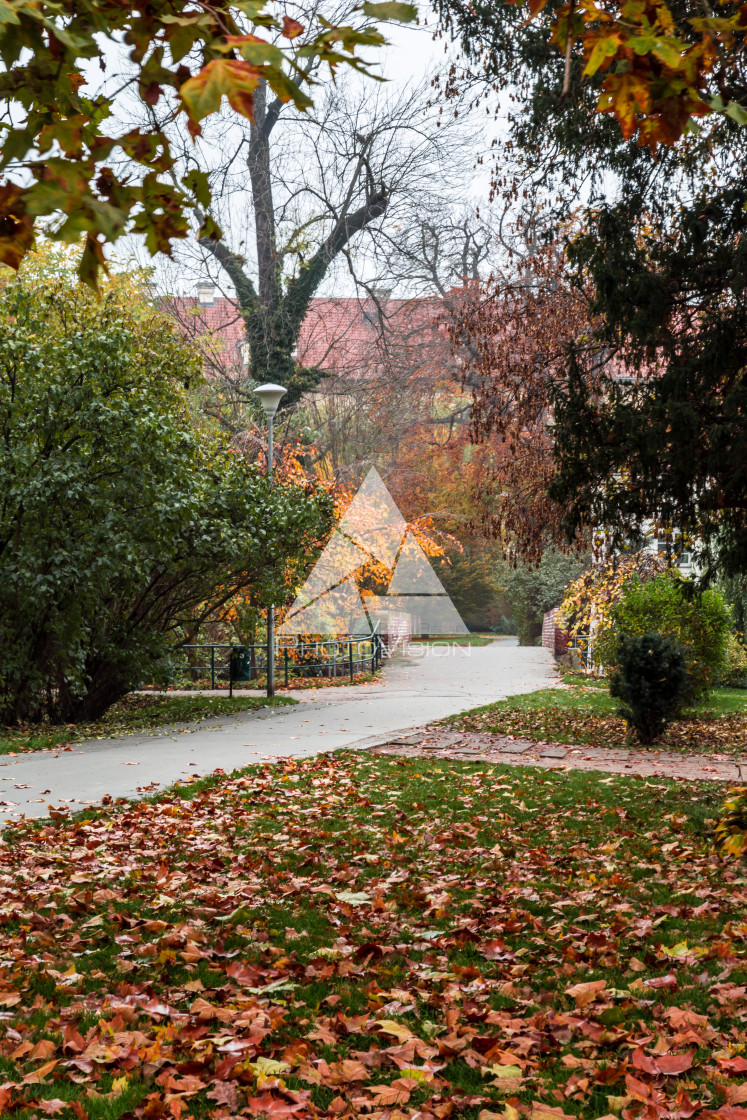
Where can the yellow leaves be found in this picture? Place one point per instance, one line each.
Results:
(417, 1074)
(508, 1113)
(398, 1030)
(94, 923)
(731, 830)
(603, 47)
(222, 77)
(681, 949)
(267, 1071)
(268, 1066)
(502, 1073)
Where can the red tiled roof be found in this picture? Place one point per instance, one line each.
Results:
(342, 335)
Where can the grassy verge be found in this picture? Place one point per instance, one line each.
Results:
(136, 713)
(350, 935)
(461, 640)
(584, 712)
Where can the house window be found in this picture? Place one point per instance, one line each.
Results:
(206, 293)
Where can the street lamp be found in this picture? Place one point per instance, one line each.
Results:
(269, 397)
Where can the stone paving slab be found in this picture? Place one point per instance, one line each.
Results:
(512, 751)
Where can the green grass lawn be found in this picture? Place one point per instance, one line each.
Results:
(584, 712)
(459, 640)
(135, 713)
(353, 935)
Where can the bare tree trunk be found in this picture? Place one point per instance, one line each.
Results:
(264, 211)
(273, 317)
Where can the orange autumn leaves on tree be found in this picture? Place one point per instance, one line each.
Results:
(659, 73)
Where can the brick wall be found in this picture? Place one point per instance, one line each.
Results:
(553, 638)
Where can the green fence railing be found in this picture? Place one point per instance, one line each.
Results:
(237, 664)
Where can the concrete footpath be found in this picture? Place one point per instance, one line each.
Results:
(433, 682)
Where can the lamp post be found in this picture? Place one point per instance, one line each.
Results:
(270, 396)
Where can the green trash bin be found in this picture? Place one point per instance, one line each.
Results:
(241, 664)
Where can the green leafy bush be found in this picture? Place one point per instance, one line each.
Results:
(731, 829)
(669, 605)
(733, 673)
(651, 681)
(123, 521)
(734, 589)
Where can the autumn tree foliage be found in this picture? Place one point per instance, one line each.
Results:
(660, 253)
(512, 334)
(656, 67)
(123, 522)
(68, 146)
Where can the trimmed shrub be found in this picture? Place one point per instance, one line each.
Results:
(651, 681)
(669, 605)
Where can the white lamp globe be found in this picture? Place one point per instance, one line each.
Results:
(270, 396)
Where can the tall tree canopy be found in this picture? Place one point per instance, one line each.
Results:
(657, 245)
(353, 196)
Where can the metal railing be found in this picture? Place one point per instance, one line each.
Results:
(235, 664)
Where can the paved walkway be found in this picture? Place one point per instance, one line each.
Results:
(507, 750)
(432, 683)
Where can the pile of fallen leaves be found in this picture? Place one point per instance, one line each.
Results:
(722, 735)
(356, 936)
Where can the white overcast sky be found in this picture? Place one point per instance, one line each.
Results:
(412, 51)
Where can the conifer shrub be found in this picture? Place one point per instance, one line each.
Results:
(651, 681)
